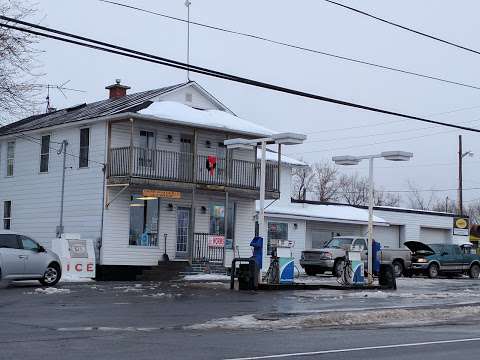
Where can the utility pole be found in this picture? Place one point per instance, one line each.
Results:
(460, 180)
(62, 196)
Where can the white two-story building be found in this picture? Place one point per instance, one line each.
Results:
(146, 174)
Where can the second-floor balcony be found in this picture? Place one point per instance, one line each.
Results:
(137, 162)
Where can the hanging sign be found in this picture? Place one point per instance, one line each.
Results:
(162, 194)
(216, 241)
(461, 226)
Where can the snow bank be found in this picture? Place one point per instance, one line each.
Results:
(179, 113)
(207, 277)
(387, 317)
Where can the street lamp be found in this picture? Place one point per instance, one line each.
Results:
(461, 156)
(279, 139)
(354, 160)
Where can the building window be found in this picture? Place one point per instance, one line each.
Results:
(44, 153)
(143, 221)
(217, 220)
(276, 231)
(10, 157)
(7, 215)
(84, 147)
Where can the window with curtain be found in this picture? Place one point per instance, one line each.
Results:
(143, 221)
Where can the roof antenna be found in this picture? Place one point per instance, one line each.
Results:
(61, 88)
(187, 4)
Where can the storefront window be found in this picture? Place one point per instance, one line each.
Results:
(217, 219)
(276, 231)
(143, 221)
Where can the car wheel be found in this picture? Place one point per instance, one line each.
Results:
(433, 271)
(51, 276)
(310, 272)
(338, 267)
(398, 268)
(474, 272)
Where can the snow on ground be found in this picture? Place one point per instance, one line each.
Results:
(50, 291)
(387, 317)
(207, 277)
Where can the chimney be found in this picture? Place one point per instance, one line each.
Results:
(117, 90)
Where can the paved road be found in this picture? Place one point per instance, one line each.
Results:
(147, 321)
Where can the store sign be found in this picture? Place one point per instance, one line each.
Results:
(216, 241)
(162, 194)
(461, 226)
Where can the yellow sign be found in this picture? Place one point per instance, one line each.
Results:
(162, 194)
(461, 223)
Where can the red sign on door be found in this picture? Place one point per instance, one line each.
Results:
(216, 241)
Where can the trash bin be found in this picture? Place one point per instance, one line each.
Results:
(386, 277)
(248, 276)
(257, 244)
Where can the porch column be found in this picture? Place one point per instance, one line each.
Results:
(130, 165)
(225, 222)
(195, 155)
(279, 165)
(194, 206)
(255, 151)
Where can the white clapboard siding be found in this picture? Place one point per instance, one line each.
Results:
(35, 196)
(117, 251)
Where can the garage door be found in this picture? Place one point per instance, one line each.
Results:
(435, 236)
(387, 236)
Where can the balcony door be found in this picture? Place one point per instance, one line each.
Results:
(146, 154)
(185, 164)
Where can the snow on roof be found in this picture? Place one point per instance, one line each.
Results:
(273, 156)
(179, 113)
(328, 213)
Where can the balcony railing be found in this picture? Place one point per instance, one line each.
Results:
(178, 166)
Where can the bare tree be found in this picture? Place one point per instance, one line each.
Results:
(354, 189)
(382, 198)
(301, 182)
(324, 184)
(18, 88)
(444, 205)
(416, 200)
(473, 211)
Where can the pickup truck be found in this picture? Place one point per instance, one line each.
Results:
(437, 259)
(332, 256)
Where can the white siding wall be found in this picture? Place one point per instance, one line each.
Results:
(198, 100)
(35, 196)
(412, 222)
(117, 251)
(329, 229)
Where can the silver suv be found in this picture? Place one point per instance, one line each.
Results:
(22, 258)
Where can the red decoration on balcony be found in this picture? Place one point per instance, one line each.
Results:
(211, 164)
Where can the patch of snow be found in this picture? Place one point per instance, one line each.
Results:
(178, 113)
(51, 291)
(207, 277)
(273, 157)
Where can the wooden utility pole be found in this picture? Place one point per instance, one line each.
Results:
(460, 180)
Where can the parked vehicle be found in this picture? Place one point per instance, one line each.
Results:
(22, 258)
(332, 256)
(437, 259)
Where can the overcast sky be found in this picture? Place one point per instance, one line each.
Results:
(310, 23)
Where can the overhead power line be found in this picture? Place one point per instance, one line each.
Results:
(115, 49)
(293, 46)
(403, 27)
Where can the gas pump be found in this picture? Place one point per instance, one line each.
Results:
(282, 265)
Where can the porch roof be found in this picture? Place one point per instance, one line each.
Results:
(323, 213)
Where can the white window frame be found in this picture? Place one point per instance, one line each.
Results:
(9, 218)
(11, 158)
(47, 153)
(80, 147)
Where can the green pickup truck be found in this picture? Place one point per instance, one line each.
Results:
(437, 259)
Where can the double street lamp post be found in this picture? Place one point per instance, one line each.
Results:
(354, 160)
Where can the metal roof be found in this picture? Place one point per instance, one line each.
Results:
(130, 102)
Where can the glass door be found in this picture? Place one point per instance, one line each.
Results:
(183, 232)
